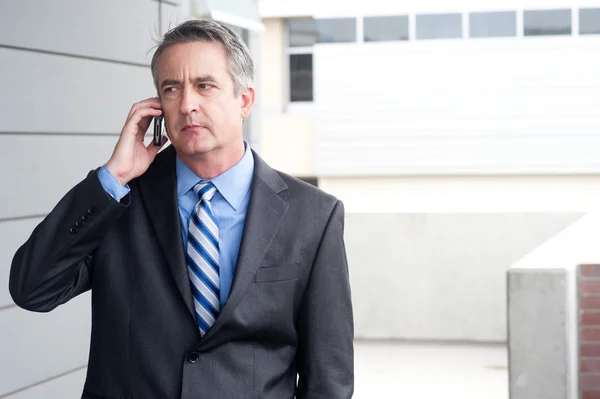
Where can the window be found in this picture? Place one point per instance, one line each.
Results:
(301, 77)
(378, 29)
(340, 30)
(302, 32)
(493, 24)
(589, 21)
(439, 26)
(547, 22)
(302, 35)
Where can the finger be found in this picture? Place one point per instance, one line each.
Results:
(145, 123)
(140, 120)
(152, 102)
(148, 103)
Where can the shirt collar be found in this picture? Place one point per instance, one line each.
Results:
(233, 184)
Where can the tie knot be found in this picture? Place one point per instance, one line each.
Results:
(205, 190)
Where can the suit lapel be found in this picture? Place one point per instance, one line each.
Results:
(265, 213)
(158, 188)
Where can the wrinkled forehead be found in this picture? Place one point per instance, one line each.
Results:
(187, 61)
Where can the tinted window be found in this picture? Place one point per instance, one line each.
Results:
(547, 22)
(339, 30)
(302, 32)
(589, 21)
(439, 26)
(493, 24)
(379, 29)
(301, 77)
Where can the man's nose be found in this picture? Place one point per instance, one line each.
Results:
(190, 101)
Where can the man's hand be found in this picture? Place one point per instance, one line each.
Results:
(131, 157)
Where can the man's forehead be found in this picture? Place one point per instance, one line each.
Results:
(197, 58)
(194, 51)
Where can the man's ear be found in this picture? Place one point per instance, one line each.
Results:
(247, 102)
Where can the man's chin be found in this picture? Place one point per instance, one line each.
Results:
(193, 149)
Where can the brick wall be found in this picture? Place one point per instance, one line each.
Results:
(588, 286)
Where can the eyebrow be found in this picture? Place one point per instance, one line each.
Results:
(170, 82)
(199, 79)
(204, 79)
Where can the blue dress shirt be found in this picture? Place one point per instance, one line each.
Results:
(229, 206)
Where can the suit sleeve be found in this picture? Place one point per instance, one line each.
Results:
(326, 349)
(54, 264)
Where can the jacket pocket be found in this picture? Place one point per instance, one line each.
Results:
(277, 273)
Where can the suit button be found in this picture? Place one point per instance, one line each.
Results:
(91, 211)
(85, 217)
(73, 230)
(79, 223)
(193, 357)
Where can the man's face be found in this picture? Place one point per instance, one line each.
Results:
(202, 113)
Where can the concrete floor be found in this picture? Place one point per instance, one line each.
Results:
(430, 371)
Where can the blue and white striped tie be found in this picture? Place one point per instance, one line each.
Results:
(203, 258)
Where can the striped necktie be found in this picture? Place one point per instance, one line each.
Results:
(203, 258)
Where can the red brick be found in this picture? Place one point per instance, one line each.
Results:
(589, 287)
(589, 350)
(589, 318)
(589, 334)
(590, 395)
(589, 381)
(589, 302)
(590, 365)
(589, 270)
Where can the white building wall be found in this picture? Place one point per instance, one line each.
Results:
(466, 106)
(454, 158)
(70, 72)
(287, 138)
(428, 256)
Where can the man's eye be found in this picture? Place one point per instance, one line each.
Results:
(169, 89)
(205, 86)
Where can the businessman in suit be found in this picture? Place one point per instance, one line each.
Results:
(212, 275)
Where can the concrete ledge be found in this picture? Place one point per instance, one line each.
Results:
(538, 339)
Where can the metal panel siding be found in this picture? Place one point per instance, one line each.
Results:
(66, 386)
(39, 346)
(48, 93)
(112, 29)
(44, 168)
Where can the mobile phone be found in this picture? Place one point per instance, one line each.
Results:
(157, 140)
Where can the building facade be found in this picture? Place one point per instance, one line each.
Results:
(460, 136)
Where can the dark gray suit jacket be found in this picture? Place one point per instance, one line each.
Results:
(289, 311)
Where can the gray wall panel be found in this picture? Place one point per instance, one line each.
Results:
(13, 234)
(39, 170)
(38, 346)
(47, 93)
(112, 29)
(67, 386)
(438, 276)
(171, 16)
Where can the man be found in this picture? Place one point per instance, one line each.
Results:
(212, 275)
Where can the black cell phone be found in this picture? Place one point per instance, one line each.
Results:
(157, 140)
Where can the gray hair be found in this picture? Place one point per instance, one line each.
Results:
(241, 66)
